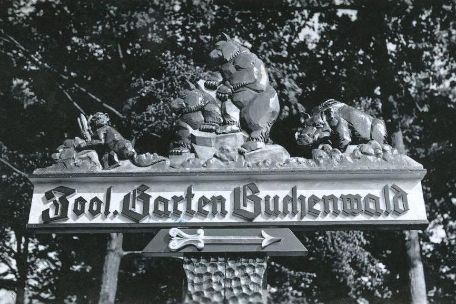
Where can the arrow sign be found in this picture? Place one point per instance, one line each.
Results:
(176, 242)
(180, 239)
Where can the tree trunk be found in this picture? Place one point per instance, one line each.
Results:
(378, 14)
(20, 294)
(111, 269)
(412, 244)
(21, 264)
(416, 272)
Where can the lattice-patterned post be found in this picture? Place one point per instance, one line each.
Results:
(225, 279)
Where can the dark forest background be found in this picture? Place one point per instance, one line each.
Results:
(58, 58)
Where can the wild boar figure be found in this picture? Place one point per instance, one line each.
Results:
(339, 125)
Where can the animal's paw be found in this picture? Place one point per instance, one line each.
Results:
(179, 151)
(250, 146)
(325, 147)
(225, 129)
(319, 155)
(147, 159)
(366, 149)
(372, 148)
(336, 155)
(208, 127)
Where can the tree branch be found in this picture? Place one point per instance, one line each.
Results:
(8, 284)
(7, 262)
(68, 96)
(46, 66)
(119, 50)
(4, 161)
(99, 100)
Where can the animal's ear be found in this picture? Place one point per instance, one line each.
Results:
(190, 85)
(330, 114)
(227, 38)
(304, 117)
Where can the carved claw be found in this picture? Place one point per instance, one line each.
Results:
(250, 146)
(208, 127)
(226, 129)
(147, 159)
(179, 151)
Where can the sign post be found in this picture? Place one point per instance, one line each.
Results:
(226, 223)
(225, 199)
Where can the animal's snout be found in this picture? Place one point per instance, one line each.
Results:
(216, 54)
(303, 138)
(177, 104)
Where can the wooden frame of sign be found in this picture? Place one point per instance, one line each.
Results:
(276, 197)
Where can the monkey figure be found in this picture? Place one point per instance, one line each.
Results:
(111, 145)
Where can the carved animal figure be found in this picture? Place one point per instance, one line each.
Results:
(339, 125)
(111, 145)
(198, 110)
(252, 93)
(230, 113)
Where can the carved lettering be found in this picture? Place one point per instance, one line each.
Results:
(189, 197)
(386, 195)
(368, 200)
(108, 201)
(176, 200)
(351, 204)
(128, 205)
(330, 200)
(60, 204)
(79, 206)
(312, 201)
(161, 201)
(302, 199)
(294, 202)
(399, 196)
(95, 206)
(202, 202)
(218, 200)
(253, 198)
(267, 205)
(247, 204)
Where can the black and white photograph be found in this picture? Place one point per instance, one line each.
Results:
(227, 151)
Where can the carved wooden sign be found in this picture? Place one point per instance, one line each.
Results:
(209, 198)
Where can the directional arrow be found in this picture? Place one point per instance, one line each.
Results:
(180, 239)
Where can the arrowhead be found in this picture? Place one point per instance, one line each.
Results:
(268, 240)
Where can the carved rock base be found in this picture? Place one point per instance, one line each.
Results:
(225, 280)
(271, 153)
(206, 145)
(177, 160)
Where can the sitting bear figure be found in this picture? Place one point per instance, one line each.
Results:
(252, 93)
(197, 110)
(337, 124)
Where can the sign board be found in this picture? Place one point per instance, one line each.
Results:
(307, 199)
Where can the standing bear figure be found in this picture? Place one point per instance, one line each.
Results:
(252, 93)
